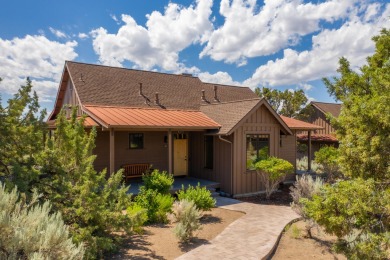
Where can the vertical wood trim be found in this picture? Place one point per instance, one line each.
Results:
(170, 150)
(309, 151)
(112, 151)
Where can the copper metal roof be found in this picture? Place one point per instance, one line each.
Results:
(299, 125)
(318, 137)
(112, 116)
(325, 108)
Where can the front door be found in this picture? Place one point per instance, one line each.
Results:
(180, 155)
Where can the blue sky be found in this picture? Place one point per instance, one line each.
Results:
(276, 43)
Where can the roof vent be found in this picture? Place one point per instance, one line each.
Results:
(216, 94)
(140, 89)
(203, 95)
(157, 101)
(186, 74)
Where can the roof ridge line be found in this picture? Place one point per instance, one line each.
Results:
(124, 68)
(143, 108)
(326, 103)
(229, 102)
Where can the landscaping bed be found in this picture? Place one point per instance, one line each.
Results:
(159, 242)
(281, 197)
(294, 245)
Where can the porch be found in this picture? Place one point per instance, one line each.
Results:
(136, 183)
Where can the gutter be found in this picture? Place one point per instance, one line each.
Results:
(231, 161)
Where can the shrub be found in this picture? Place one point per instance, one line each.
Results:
(29, 231)
(357, 212)
(295, 231)
(272, 171)
(305, 187)
(138, 215)
(315, 166)
(156, 204)
(187, 216)
(200, 196)
(328, 157)
(159, 181)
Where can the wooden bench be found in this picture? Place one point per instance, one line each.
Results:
(135, 170)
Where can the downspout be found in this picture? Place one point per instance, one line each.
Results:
(231, 161)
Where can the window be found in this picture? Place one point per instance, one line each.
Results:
(257, 148)
(136, 141)
(208, 152)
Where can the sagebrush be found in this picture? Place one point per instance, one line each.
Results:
(187, 216)
(29, 231)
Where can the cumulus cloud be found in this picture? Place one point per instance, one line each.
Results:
(352, 40)
(57, 33)
(251, 31)
(157, 44)
(36, 57)
(83, 35)
(220, 78)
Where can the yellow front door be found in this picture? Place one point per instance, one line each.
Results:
(180, 157)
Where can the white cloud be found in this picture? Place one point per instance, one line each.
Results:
(305, 86)
(83, 35)
(352, 40)
(113, 17)
(58, 33)
(36, 57)
(248, 32)
(157, 44)
(220, 78)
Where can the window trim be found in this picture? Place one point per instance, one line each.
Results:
(136, 148)
(246, 145)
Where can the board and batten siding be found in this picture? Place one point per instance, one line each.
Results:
(320, 119)
(288, 151)
(70, 98)
(221, 171)
(260, 121)
(155, 151)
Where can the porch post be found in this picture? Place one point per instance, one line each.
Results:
(170, 161)
(309, 151)
(112, 151)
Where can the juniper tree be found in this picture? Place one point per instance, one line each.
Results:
(357, 211)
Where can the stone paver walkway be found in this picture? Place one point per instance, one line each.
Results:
(253, 236)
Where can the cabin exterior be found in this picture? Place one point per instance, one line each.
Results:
(326, 135)
(177, 123)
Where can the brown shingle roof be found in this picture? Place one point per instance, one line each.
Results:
(112, 86)
(325, 108)
(298, 124)
(110, 116)
(230, 114)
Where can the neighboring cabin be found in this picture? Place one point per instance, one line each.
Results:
(324, 136)
(177, 123)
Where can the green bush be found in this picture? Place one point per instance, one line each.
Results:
(30, 231)
(156, 204)
(357, 213)
(138, 215)
(159, 181)
(328, 157)
(272, 171)
(200, 196)
(187, 216)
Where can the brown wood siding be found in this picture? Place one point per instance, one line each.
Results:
(221, 171)
(70, 98)
(260, 122)
(288, 151)
(319, 119)
(155, 151)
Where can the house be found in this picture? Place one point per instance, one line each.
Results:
(326, 135)
(177, 123)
